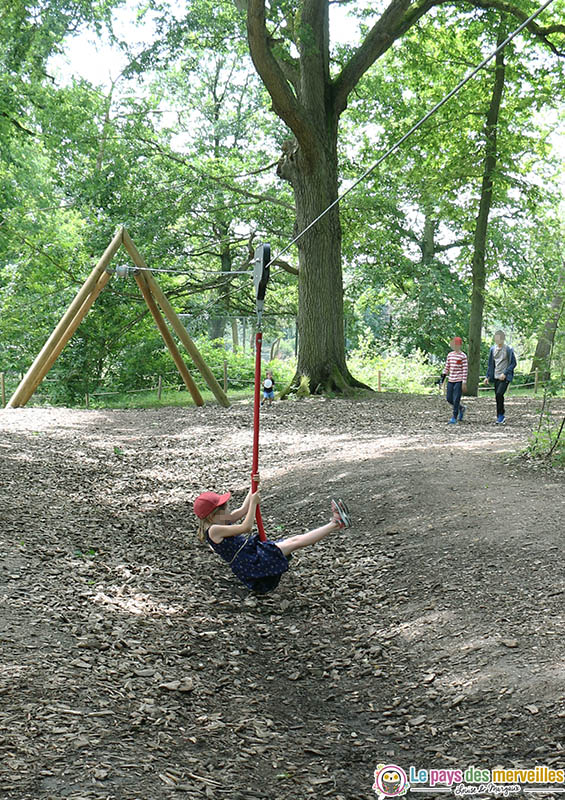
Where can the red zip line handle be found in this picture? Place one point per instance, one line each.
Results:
(256, 407)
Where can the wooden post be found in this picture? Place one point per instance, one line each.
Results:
(86, 400)
(83, 311)
(2, 389)
(536, 379)
(30, 382)
(191, 348)
(176, 324)
(379, 381)
(60, 336)
(159, 387)
(141, 280)
(225, 375)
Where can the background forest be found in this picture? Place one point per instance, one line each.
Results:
(185, 146)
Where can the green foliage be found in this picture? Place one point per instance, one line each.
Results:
(408, 233)
(547, 447)
(240, 365)
(398, 373)
(182, 150)
(69, 385)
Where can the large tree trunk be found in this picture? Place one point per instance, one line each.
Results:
(310, 103)
(544, 347)
(289, 45)
(481, 229)
(321, 352)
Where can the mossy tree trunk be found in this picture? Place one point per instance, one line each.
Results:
(542, 356)
(321, 352)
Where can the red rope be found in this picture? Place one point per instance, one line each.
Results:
(256, 407)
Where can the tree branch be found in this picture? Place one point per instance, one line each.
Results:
(219, 181)
(378, 40)
(278, 262)
(290, 69)
(17, 124)
(285, 103)
(533, 27)
(441, 248)
(399, 18)
(438, 248)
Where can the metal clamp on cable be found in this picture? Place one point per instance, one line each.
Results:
(122, 270)
(261, 268)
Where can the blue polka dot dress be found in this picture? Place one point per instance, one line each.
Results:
(259, 565)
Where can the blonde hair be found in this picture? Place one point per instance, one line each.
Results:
(202, 529)
(204, 524)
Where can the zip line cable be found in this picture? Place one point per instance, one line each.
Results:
(371, 169)
(414, 128)
(225, 273)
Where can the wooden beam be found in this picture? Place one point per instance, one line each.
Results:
(182, 333)
(54, 355)
(168, 339)
(176, 324)
(31, 379)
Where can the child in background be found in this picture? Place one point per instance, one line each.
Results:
(455, 371)
(268, 388)
(259, 565)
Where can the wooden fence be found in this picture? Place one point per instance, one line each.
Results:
(228, 382)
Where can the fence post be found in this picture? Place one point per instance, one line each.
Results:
(225, 375)
(536, 377)
(3, 389)
(379, 381)
(86, 399)
(159, 387)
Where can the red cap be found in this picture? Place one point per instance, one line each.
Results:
(457, 340)
(207, 502)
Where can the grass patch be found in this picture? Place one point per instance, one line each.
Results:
(169, 397)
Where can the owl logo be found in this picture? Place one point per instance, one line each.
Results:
(390, 781)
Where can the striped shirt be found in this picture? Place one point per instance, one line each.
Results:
(456, 367)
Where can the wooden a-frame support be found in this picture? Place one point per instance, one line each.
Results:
(82, 304)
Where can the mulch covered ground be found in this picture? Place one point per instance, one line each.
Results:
(133, 666)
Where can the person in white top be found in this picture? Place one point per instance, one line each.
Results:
(500, 371)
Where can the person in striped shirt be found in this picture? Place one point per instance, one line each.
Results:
(455, 371)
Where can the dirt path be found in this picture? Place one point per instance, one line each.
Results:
(134, 667)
